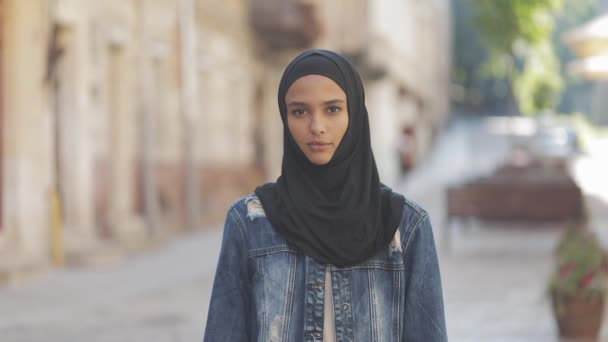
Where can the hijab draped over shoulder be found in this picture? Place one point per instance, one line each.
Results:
(337, 213)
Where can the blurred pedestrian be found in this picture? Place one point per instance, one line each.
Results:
(407, 149)
(327, 253)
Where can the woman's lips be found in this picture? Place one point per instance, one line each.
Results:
(318, 146)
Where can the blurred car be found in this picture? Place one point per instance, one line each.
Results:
(555, 140)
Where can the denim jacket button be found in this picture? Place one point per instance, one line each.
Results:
(345, 307)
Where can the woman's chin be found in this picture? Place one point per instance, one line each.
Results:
(318, 160)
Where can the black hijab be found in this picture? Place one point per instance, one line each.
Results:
(339, 212)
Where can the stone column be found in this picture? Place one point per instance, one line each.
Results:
(71, 114)
(272, 126)
(27, 128)
(190, 110)
(119, 84)
(382, 104)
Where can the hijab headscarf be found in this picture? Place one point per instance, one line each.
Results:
(337, 213)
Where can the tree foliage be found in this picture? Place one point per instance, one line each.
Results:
(539, 84)
(510, 50)
(503, 23)
(473, 87)
(518, 36)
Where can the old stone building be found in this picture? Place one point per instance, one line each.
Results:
(227, 100)
(590, 43)
(402, 49)
(123, 121)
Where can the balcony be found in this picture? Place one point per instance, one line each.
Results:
(285, 24)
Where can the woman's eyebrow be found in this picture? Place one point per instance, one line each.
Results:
(296, 103)
(328, 102)
(334, 101)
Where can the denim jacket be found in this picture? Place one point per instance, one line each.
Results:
(265, 290)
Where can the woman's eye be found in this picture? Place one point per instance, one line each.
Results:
(298, 112)
(334, 109)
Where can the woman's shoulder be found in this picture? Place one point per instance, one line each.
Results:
(412, 217)
(248, 206)
(413, 209)
(248, 210)
(255, 227)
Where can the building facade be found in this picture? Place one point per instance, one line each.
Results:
(125, 121)
(402, 49)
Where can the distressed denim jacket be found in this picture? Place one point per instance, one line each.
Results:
(265, 290)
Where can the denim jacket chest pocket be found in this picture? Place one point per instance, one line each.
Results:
(268, 250)
(272, 269)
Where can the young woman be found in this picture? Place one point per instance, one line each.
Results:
(327, 253)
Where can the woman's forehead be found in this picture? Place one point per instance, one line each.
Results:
(317, 86)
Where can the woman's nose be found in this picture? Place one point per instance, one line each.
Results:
(317, 124)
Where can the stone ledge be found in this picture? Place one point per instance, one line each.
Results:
(99, 254)
(18, 269)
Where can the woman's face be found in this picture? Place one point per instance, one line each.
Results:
(317, 116)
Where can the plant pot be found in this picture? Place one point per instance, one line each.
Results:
(578, 317)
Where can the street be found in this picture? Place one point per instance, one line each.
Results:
(494, 276)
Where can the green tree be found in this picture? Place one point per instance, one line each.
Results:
(474, 89)
(516, 63)
(518, 37)
(503, 23)
(539, 84)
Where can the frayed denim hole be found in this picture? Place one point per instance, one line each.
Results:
(275, 329)
(395, 245)
(254, 208)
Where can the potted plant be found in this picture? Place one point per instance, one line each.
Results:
(579, 283)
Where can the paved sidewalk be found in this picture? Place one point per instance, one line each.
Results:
(161, 296)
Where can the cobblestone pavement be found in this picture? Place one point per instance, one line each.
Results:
(493, 276)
